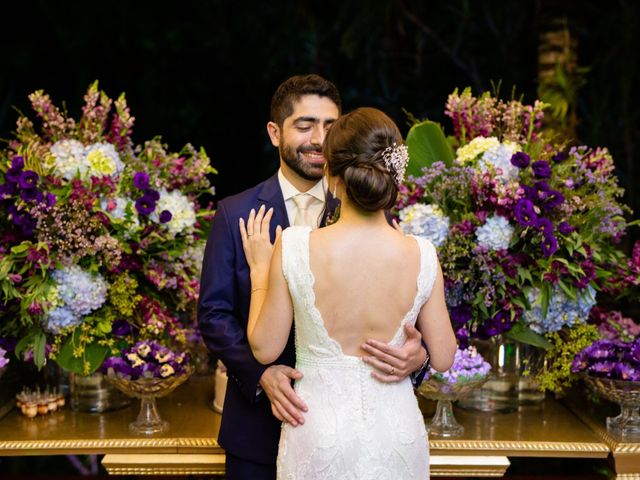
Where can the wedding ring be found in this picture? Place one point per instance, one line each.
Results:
(249, 234)
(392, 371)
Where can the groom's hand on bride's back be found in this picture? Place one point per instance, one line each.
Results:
(285, 403)
(393, 364)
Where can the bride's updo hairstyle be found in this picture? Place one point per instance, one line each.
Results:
(354, 149)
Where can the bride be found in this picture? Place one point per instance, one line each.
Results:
(358, 278)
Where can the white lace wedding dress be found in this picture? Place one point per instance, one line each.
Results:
(356, 427)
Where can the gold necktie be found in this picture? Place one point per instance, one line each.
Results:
(303, 215)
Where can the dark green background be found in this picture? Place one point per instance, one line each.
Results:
(204, 71)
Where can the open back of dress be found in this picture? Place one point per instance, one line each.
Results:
(356, 426)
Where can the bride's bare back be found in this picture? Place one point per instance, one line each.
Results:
(365, 282)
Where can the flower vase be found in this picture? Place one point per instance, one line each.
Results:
(444, 423)
(626, 394)
(147, 389)
(512, 383)
(94, 394)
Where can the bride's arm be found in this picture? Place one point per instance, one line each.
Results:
(270, 310)
(433, 322)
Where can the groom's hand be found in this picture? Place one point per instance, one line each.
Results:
(393, 364)
(285, 403)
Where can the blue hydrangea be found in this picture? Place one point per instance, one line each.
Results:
(60, 318)
(499, 156)
(562, 310)
(427, 221)
(80, 291)
(495, 234)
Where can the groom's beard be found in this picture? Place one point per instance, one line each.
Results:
(300, 165)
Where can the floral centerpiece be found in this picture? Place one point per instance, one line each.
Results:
(468, 372)
(527, 227)
(611, 368)
(146, 359)
(101, 240)
(148, 370)
(468, 367)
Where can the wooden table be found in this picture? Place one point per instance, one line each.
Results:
(190, 446)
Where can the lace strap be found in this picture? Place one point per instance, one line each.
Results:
(428, 268)
(295, 251)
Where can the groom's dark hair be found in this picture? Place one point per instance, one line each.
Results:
(297, 86)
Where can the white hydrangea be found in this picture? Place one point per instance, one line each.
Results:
(499, 156)
(68, 158)
(103, 160)
(426, 221)
(183, 215)
(475, 148)
(495, 234)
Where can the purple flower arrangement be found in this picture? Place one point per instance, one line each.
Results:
(468, 365)
(527, 228)
(101, 241)
(612, 359)
(147, 359)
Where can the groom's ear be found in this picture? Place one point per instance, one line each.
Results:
(274, 133)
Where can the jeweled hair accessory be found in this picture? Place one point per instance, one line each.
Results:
(395, 159)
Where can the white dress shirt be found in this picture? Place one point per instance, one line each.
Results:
(315, 208)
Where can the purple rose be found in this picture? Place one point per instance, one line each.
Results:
(559, 157)
(462, 334)
(145, 205)
(520, 160)
(153, 194)
(530, 193)
(525, 213)
(141, 180)
(554, 199)
(165, 216)
(28, 179)
(50, 199)
(120, 328)
(17, 163)
(565, 228)
(28, 194)
(13, 175)
(549, 244)
(7, 190)
(541, 169)
(545, 225)
(460, 315)
(542, 190)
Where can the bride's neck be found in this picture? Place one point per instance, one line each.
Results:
(349, 213)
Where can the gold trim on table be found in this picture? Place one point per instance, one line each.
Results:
(522, 446)
(164, 464)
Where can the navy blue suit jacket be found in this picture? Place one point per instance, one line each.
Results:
(249, 430)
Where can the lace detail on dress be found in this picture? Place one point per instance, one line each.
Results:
(356, 427)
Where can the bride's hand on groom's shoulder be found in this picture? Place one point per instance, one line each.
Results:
(286, 405)
(256, 239)
(393, 364)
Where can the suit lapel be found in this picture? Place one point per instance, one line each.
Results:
(271, 196)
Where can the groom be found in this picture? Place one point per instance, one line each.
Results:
(260, 397)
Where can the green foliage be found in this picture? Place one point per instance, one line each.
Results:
(83, 359)
(427, 144)
(557, 376)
